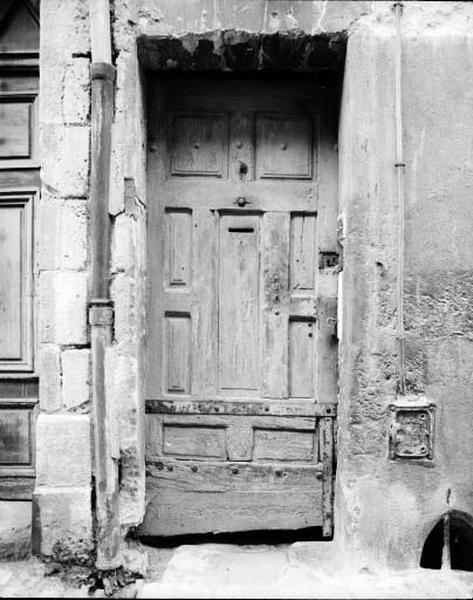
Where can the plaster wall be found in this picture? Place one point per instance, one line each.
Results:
(384, 508)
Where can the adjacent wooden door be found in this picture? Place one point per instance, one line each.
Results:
(241, 340)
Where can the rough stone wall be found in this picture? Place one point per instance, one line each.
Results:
(62, 498)
(128, 262)
(159, 17)
(384, 508)
(63, 513)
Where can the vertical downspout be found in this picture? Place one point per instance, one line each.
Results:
(102, 75)
(400, 166)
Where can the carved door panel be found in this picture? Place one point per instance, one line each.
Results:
(241, 346)
(19, 190)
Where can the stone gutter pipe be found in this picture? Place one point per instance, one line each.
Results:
(105, 469)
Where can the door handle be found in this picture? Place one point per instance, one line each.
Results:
(241, 201)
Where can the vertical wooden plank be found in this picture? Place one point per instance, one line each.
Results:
(11, 275)
(327, 278)
(303, 248)
(157, 156)
(242, 150)
(275, 313)
(301, 358)
(153, 435)
(326, 425)
(327, 206)
(238, 302)
(177, 354)
(204, 303)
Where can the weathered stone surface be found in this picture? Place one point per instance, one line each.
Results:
(68, 25)
(385, 509)
(65, 159)
(76, 378)
(63, 454)
(162, 18)
(49, 368)
(124, 244)
(62, 233)
(76, 100)
(63, 307)
(62, 519)
(123, 389)
(124, 294)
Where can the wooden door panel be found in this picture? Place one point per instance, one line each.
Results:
(238, 307)
(301, 358)
(177, 354)
(240, 313)
(275, 482)
(15, 137)
(204, 304)
(275, 314)
(16, 272)
(199, 145)
(17, 447)
(284, 146)
(10, 282)
(219, 497)
(19, 189)
(178, 248)
(15, 437)
(303, 248)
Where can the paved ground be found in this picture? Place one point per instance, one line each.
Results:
(28, 579)
(15, 529)
(227, 571)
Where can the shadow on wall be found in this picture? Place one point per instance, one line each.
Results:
(450, 543)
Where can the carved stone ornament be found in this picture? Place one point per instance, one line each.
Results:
(411, 432)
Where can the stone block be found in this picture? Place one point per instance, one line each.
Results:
(63, 454)
(63, 307)
(67, 26)
(51, 83)
(75, 377)
(65, 158)
(62, 523)
(63, 233)
(123, 391)
(49, 377)
(124, 294)
(76, 98)
(124, 250)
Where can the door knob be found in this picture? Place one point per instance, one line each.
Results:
(241, 201)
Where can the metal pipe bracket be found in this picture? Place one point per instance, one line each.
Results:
(101, 313)
(101, 70)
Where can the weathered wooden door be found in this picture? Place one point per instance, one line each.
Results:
(241, 350)
(19, 191)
